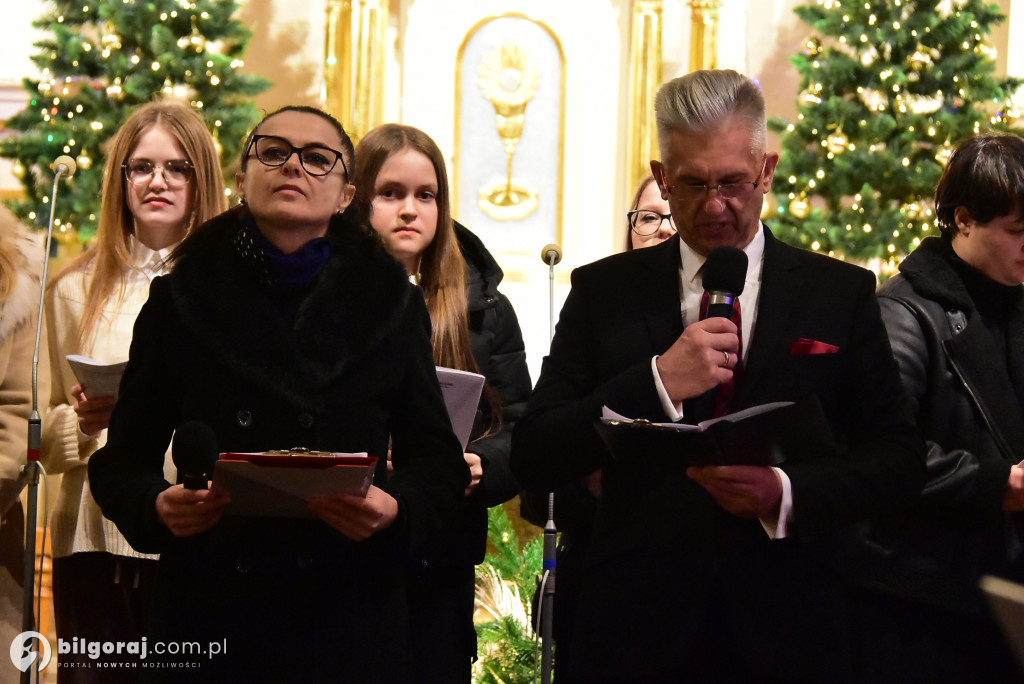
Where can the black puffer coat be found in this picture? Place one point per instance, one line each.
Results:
(501, 356)
(442, 582)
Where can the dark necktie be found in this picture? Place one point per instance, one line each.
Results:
(726, 392)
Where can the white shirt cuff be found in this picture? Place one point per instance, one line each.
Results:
(672, 410)
(776, 529)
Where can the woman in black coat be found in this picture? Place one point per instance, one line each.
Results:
(402, 189)
(955, 318)
(284, 325)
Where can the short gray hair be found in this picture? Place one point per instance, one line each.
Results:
(702, 99)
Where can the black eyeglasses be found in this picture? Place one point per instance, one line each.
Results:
(176, 172)
(317, 160)
(645, 222)
(740, 190)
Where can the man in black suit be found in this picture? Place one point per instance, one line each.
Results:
(716, 573)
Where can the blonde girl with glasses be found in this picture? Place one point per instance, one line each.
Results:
(162, 178)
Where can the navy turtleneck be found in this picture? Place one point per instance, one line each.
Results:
(295, 270)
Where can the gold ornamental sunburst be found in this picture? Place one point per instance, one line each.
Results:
(508, 78)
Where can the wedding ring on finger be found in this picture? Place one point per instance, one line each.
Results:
(726, 358)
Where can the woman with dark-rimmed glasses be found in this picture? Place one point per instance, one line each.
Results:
(162, 178)
(284, 324)
(649, 219)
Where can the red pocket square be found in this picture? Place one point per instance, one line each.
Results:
(806, 346)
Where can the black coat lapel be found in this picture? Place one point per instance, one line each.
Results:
(780, 278)
(659, 297)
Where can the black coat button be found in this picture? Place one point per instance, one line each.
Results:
(243, 565)
(244, 418)
(305, 421)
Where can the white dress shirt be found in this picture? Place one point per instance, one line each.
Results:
(691, 289)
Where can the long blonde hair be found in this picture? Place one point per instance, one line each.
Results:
(111, 255)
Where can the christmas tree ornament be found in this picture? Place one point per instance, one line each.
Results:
(837, 142)
(812, 48)
(986, 50)
(922, 104)
(1011, 114)
(110, 39)
(810, 94)
(800, 207)
(114, 90)
(869, 56)
(913, 211)
(920, 60)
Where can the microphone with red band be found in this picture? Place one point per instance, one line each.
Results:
(724, 275)
(194, 452)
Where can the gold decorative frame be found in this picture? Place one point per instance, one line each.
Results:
(645, 75)
(354, 60)
(457, 152)
(704, 34)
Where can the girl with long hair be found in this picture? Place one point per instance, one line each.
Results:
(162, 178)
(402, 190)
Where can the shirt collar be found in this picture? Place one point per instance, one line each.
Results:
(150, 261)
(692, 262)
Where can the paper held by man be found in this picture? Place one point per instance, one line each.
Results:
(764, 435)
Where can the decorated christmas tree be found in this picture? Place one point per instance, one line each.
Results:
(105, 58)
(887, 89)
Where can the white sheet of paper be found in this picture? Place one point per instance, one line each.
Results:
(98, 379)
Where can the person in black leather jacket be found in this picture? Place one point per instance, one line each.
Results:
(955, 318)
(402, 190)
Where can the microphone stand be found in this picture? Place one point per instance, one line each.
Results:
(63, 166)
(551, 254)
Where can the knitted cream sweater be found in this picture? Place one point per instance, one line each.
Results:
(76, 520)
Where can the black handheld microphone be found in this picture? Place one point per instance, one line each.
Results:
(194, 452)
(724, 275)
